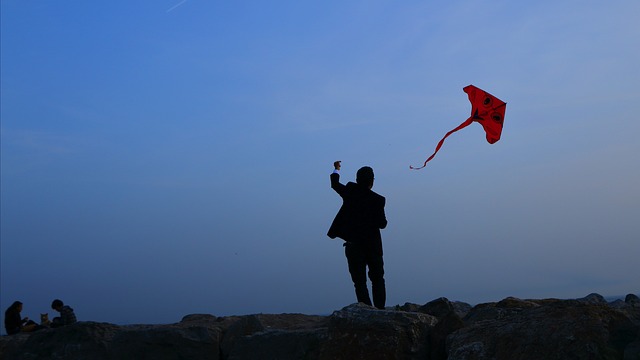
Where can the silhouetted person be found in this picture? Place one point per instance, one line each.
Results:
(67, 316)
(358, 223)
(13, 321)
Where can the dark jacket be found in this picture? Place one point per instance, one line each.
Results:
(361, 216)
(12, 321)
(67, 315)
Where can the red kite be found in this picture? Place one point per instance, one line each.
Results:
(486, 109)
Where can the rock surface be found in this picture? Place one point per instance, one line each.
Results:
(587, 328)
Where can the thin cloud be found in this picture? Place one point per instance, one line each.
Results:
(176, 5)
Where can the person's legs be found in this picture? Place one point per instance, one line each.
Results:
(376, 274)
(30, 326)
(358, 270)
(56, 322)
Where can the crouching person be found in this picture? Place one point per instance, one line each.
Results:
(67, 316)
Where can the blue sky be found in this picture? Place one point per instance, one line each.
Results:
(162, 158)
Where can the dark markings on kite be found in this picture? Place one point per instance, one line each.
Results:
(484, 107)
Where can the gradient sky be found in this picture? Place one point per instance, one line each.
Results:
(163, 158)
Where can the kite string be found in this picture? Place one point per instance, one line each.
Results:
(463, 125)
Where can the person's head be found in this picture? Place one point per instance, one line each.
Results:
(364, 177)
(57, 304)
(17, 306)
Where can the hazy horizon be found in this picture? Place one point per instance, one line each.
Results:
(164, 158)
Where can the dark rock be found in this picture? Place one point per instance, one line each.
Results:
(618, 304)
(515, 303)
(594, 299)
(167, 342)
(449, 317)
(461, 308)
(256, 336)
(408, 307)
(503, 309)
(632, 299)
(199, 318)
(487, 312)
(12, 344)
(80, 340)
(438, 307)
(245, 326)
(632, 350)
(362, 332)
(280, 344)
(442, 306)
(446, 325)
(91, 340)
(556, 330)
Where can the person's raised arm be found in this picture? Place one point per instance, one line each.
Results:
(335, 178)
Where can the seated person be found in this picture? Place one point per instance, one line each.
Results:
(14, 323)
(67, 316)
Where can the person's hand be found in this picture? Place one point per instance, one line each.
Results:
(336, 165)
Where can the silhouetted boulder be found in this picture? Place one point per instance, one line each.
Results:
(362, 332)
(92, 340)
(408, 307)
(594, 299)
(553, 329)
(632, 299)
(284, 336)
(442, 306)
(446, 325)
(499, 311)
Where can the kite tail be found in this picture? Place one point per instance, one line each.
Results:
(463, 125)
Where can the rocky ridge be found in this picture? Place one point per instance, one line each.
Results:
(587, 328)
